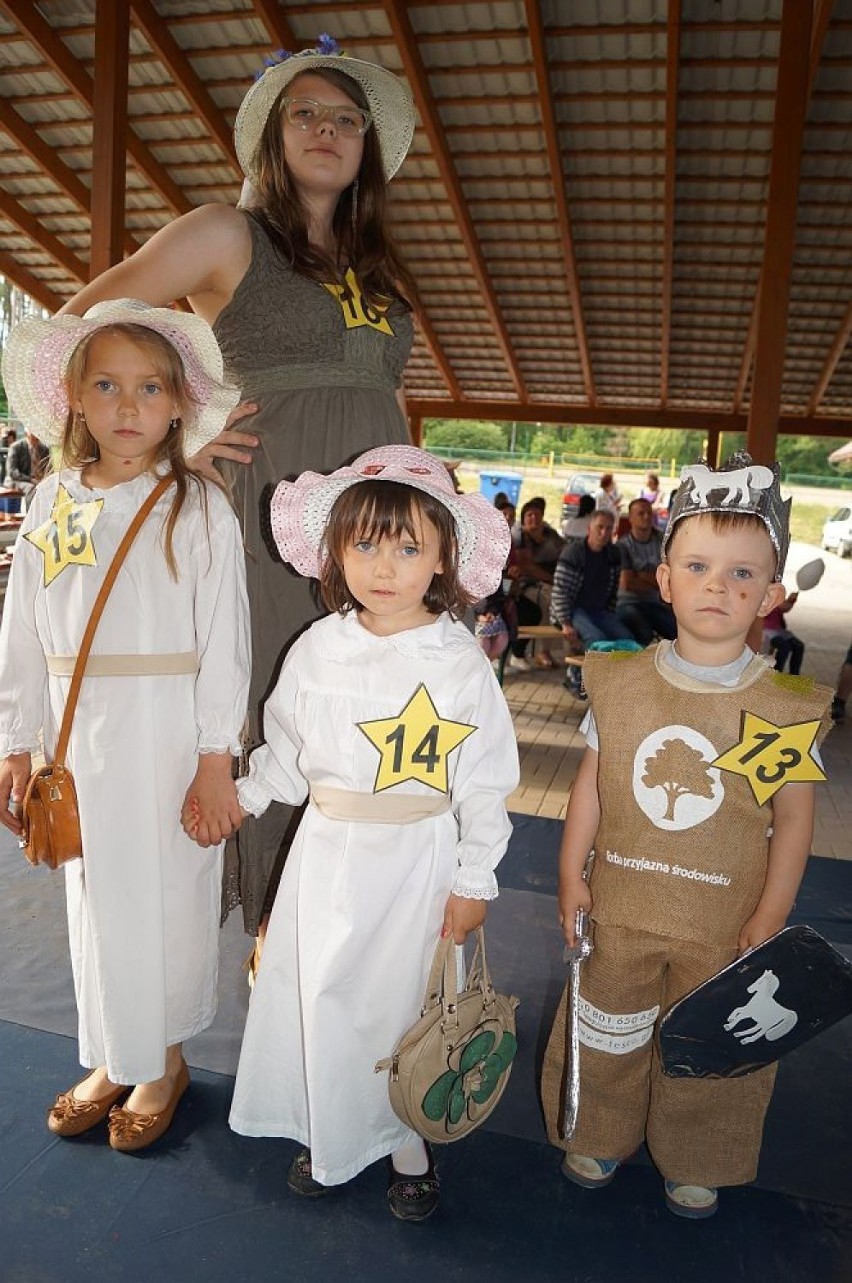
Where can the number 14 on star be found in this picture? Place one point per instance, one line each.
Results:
(416, 744)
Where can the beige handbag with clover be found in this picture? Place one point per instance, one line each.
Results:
(450, 1069)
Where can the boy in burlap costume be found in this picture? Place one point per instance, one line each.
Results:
(696, 792)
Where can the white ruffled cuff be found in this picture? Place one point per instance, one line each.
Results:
(475, 884)
(252, 798)
(11, 747)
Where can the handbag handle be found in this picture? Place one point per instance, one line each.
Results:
(94, 618)
(442, 985)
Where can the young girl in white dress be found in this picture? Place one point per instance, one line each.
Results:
(127, 393)
(388, 718)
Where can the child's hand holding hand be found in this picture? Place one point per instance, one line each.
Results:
(15, 772)
(211, 811)
(572, 895)
(461, 916)
(759, 927)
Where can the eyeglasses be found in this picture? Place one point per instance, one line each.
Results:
(304, 113)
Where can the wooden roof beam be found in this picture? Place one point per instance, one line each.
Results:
(271, 15)
(773, 302)
(39, 33)
(45, 156)
(109, 131)
(405, 40)
(29, 225)
(563, 215)
(180, 69)
(821, 19)
(28, 283)
(670, 167)
(628, 416)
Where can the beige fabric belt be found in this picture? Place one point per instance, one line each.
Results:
(162, 665)
(376, 808)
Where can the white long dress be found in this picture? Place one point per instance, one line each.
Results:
(360, 906)
(143, 904)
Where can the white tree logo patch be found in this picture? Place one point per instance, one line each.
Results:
(673, 780)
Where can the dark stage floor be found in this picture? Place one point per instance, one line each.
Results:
(205, 1203)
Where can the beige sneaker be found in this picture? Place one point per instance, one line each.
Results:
(695, 1202)
(591, 1173)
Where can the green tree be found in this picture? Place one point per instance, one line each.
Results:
(463, 434)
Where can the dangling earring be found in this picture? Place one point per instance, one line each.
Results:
(81, 418)
(354, 206)
(174, 424)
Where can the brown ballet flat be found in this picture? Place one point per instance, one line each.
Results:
(71, 1117)
(129, 1131)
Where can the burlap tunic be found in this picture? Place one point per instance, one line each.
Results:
(324, 370)
(680, 863)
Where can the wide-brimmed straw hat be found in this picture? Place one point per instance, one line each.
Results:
(299, 512)
(37, 353)
(388, 97)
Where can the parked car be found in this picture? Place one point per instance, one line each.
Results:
(581, 483)
(837, 532)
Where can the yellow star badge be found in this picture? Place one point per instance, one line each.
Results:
(356, 310)
(770, 756)
(65, 539)
(416, 744)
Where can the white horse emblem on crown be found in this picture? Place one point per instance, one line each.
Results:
(771, 1020)
(736, 482)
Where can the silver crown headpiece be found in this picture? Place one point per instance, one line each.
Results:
(739, 485)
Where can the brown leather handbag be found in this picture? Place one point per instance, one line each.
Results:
(49, 817)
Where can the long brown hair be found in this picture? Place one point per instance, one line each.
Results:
(364, 242)
(79, 447)
(379, 510)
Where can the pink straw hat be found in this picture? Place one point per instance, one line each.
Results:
(37, 353)
(299, 512)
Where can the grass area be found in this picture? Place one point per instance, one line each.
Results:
(806, 521)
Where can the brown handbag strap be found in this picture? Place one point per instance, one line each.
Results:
(97, 610)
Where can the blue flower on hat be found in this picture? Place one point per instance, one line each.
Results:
(326, 45)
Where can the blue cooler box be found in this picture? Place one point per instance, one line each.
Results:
(491, 483)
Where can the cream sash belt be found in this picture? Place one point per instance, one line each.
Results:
(161, 665)
(376, 808)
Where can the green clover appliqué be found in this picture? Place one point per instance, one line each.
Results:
(479, 1072)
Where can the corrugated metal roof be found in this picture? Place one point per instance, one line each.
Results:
(648, 304)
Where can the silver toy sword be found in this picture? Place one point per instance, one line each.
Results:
(574, 954)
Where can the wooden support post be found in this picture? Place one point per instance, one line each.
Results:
(415, 423)
(109, 134)
(713, 447)
(791, 102)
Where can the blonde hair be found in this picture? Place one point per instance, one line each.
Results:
(79, 447)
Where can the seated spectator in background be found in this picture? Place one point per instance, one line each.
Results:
(651, 489)
(782, 643)
(639, 604)
(585, 586)
(844, 689)
(26, 463)
(607, 497)
(537, 546)
(578, 527)
(491, 629)
(504, 504)
(7, 437)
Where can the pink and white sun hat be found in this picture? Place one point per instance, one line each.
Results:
(37, 353)
(299, 512)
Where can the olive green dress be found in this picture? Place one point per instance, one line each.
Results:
(324, 368)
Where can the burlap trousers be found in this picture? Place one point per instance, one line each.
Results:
(698, 1131)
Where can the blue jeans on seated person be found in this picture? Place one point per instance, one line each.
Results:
(647, 619)
(600, 625)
